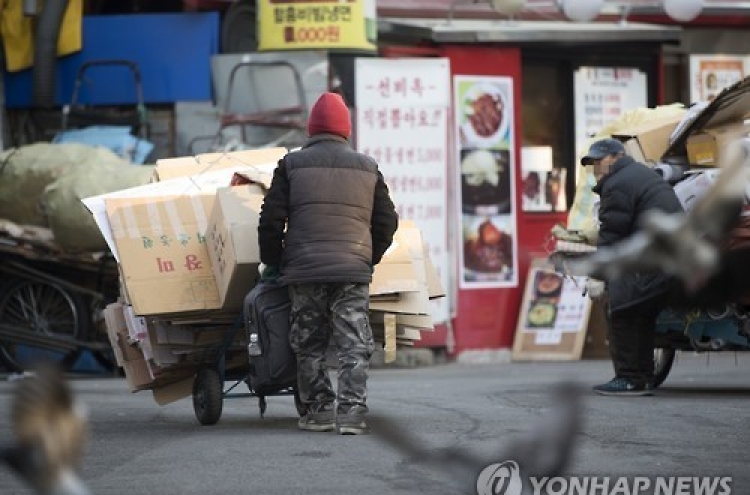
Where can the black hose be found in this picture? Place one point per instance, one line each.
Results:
(45, 52)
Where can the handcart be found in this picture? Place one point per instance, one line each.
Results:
(224, 367)
(50, 302)
(699, 330)
(695, 329)
(76, 115)
(124, 129)
(262, 123)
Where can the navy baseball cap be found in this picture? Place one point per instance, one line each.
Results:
(602, 148)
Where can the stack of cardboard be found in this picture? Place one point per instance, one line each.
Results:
(702, 142)
(402, 286)
(187, 250)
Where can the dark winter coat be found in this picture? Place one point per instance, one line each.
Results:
(337, 212)
(628, 191)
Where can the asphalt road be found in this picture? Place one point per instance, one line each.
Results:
(695, 426)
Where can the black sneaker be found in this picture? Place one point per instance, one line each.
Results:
(322, 419)
(624, 387)
(353, 422)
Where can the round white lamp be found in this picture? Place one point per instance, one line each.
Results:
(683, 10)
(508, 7)
(581, 10)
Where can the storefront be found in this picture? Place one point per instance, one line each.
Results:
(552, 85)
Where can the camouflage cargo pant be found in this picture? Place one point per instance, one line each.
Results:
(338, 311)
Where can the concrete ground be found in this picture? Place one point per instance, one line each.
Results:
(696, 426)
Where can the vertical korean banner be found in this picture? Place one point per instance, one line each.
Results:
(485, 128)
(402, 122)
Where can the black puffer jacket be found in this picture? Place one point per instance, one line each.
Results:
(628, 191)
(337, 212)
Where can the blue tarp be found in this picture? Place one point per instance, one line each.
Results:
(173, 52)
(116, 138)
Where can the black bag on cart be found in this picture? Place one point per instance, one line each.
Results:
(274, 367)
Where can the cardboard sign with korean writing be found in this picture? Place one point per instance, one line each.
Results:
(317, 24)
(163, 253)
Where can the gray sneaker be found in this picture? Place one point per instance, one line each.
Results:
(320, 419)
(353, 422)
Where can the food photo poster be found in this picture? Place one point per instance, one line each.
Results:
(485, 129)
(555, 305)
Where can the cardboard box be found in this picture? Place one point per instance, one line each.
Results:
(704, 148)
(648, 141)
(232, 238)
(172, 168)
(206, 183)
(163, 254)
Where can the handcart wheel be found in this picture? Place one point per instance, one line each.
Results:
(663, 361)
(208, 396)
(301, 407)
(45, 309)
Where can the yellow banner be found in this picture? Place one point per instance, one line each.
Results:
(317, 24)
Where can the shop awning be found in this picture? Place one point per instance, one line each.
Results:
(512, 31)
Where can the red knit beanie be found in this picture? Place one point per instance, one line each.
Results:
(330, 115)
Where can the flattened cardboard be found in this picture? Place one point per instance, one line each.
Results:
(396, 271)
(163, 253)
(172, 168)
(731, 105)
(649, 141)
(128, 356)
(434, 285)
(233, 242)
(413, 275)
(166, 394)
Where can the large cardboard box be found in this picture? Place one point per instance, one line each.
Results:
(647, 142)
(705, 148)
(232, 237)
(163, 254)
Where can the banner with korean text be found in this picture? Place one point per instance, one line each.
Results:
(402, 111)
(317, 25)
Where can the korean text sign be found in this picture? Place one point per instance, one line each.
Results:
(402, 122)
(317, 24)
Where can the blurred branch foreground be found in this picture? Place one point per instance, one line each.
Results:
(50, 429)
(544, 452)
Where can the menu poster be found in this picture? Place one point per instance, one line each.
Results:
(554, 316)
(483, 109)
(402, 113)
(709, 74)
(602, 95)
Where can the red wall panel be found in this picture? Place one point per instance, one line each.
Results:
(486, 318)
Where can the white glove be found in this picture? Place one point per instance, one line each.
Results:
(594, 288)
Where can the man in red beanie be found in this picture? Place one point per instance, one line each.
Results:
(326, 221)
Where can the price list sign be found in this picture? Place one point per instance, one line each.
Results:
(402, 122)
(602, 95)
